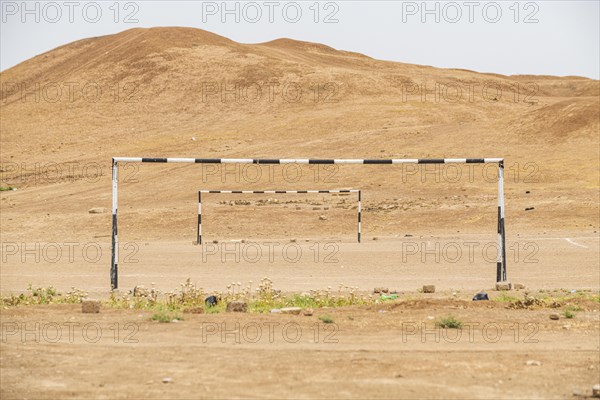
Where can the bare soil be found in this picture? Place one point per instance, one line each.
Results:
(391, 350)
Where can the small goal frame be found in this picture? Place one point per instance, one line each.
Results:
(500, 262)
(199, 241)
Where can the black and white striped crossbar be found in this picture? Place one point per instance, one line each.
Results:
(308, 160)
(501, 262)
(280, 191)
(200, 192)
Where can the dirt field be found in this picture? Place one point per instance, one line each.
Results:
(390, 350)
(384, 351)
(464, 262)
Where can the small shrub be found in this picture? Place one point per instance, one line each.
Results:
(220, 307)
(449, 322)
(326, 319)
(569, 314)
(505, 298)
(165, 316)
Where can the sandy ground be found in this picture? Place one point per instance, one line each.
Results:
(390, 350)
(462, 262)
(383, 351)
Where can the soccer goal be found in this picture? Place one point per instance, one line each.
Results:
(501, 260)
(273, 192)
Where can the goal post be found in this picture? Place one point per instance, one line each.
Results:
(199, 241)
(500, 262)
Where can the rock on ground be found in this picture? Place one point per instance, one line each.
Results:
(291, 310)
(428, 288)
(501, 286)
(237, 306)
(90, 306)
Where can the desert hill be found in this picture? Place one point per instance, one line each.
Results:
(190, 93)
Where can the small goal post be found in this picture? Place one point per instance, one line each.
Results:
(199, 241)
(500, 262)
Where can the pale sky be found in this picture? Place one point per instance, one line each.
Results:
(506, 37)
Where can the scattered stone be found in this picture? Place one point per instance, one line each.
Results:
(566, 326)
(381, 290)
(322, 218)
(215, 241)
(90, 306)
(307, 312)
(528, 302)
(98, 210)
(428, 288)
(576, 392)
(502, 286)
(167, 379)
(243, 240)
(529, 208)
(237, 306)
(481, 296)
(316, 208)
(298, 208)
(554, 316)
(140, 291)
(291, 310)
(375, 238)
(519, 286)
(534, 363)
(275, 311)
(293, 240)
(596, 390)
(193, 310)
(527, 192)
(325, 208)
(408, 235)
(211, 301)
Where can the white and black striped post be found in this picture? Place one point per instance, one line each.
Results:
(359, 208)
(199, 241)
(501, 263)
(114, 271)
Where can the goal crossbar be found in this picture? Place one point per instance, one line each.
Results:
(200, 192)
(501, 260)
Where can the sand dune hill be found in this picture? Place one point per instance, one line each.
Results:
(188, 92)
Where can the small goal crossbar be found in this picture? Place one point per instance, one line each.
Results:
(273, 192)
